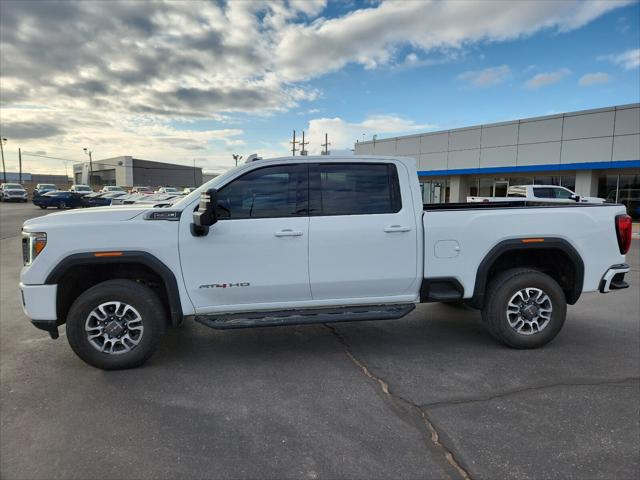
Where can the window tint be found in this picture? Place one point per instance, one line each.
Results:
(544, 192)
(268, 192)
(355, 189)
(562, 193)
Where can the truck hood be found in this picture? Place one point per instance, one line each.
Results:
(85, 216)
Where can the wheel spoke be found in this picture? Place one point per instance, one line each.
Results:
(529, 311)
(127, 318)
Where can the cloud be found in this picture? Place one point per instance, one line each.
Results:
(547, 78)
(487, 77)
(343, 134)
(628, 60)
(371, 36)
(102, 73)
(594, 78)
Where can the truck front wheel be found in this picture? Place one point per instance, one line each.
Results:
(524, 308)
(115, 324)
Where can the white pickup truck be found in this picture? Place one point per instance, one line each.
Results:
(539, 193)
(311, 240)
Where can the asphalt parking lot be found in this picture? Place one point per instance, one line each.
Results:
(428, 396)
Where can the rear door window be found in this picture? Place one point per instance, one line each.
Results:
(354, 189)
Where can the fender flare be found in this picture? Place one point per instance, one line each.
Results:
(544, 243)
(144, 258)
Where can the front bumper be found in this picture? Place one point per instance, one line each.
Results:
(613, 279)
(15, 196)
(39, 304)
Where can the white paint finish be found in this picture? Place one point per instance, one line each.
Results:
(498, 156)
(432, 161)
(247, 251)
(587, 150)
(446, 249)
(344, 265)
(385, 147)
(434, 143)
(408, 146)
(590, 125)
(39, 301)
(500, 136)
(464, 159)
(589, 230)
(627, 121)
(626, 147)
(539, 153)
(540, 131)
(464, 139)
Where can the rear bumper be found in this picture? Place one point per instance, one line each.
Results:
(613, 279)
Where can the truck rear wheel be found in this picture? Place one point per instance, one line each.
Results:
(115, 324)
(524, 308)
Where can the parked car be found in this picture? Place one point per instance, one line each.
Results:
(12, 192)
(158, 198)
(127, 199)
(112, 188)
(167, 190)
(81, 189)
(101, 199)
(540, 193)
(143, 190)
(188, 190)
(43, 188)
(58, 199)
(264, 246)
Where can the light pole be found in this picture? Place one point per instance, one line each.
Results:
(89, 152)
(237, 158)
(3, 141)
(194, 173)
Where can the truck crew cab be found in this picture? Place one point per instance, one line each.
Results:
(312, 240)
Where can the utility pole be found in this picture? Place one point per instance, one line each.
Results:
(194, 172)
(237, 158)
(302, 144)
(4, 170)
(19, 166)
(89, 152)
(325, 144)
(293, 144)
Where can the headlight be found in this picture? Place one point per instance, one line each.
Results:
(32, 245)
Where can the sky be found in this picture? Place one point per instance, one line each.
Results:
(199, 81)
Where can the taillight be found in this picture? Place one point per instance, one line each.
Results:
(623, 231)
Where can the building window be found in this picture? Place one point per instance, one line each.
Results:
(568, 181)
(435, 190)
(624, 189)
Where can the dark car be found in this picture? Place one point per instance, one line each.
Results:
(43, 188)
(59, 200)
(100, 199)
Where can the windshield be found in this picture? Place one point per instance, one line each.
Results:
(13, 185)
(47, 186)
(82, 188)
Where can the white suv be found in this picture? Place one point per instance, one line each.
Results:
(12, 191)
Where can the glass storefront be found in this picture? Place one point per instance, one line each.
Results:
(435, 190)
(621, 188)
(497, 187)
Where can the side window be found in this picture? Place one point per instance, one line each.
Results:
(354, 189)
(562, 193)
(543, 192)
(268, 192)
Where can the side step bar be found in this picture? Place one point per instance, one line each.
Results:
(305, 316)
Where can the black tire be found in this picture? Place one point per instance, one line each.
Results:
(62, 206)
(500, 291)
(140, 297)
(44, 207)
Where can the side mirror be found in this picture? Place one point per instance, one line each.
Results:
(575, 197)
(206, 214)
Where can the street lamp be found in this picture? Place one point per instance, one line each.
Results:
(89, 152)
(4, 170)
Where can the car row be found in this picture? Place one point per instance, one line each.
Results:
(75, 199)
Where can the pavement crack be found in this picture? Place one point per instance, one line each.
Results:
(488, 398)
(384, 386)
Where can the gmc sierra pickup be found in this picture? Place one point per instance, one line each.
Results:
(312, 240)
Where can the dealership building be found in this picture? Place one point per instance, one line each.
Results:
(127, 171)
(592, 152)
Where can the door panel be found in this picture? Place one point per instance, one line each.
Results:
(362, 234)
(257, 252)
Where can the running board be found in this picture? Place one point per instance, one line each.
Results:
(305, 316)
